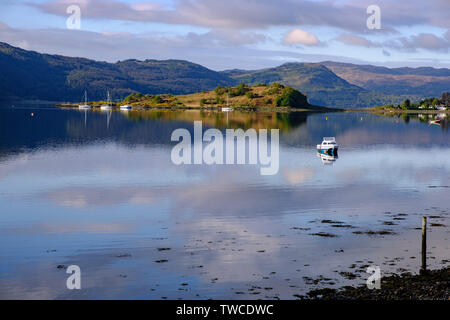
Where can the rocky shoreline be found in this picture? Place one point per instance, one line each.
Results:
(433, 285)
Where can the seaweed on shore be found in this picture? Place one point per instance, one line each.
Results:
(432, 285)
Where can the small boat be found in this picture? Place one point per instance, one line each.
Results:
(436, 122)
(107, 106)
(85, 105)
(126, 107)
(328, 146)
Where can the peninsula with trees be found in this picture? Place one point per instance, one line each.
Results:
(243, 97)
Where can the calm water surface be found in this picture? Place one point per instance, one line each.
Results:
(99, 190)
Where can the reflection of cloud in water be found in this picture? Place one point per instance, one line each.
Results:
(90, 161)
(249, 200)
(298, 176)
(229, 246)
(361, 136)
(144, 177)
(72, 227)
(90, 197)
(92, 202)
(350, 175)
(99, 279)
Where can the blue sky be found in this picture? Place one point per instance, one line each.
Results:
(234, 33)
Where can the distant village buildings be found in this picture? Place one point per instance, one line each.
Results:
(430, 103)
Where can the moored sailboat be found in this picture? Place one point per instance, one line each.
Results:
(85, 105)
(107, 106)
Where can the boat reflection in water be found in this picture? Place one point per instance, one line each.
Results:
(439, 119)
(327, 159)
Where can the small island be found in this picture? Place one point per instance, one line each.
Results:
(273, 97)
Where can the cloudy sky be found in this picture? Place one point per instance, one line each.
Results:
(227, 34)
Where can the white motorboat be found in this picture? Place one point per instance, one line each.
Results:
(328, 146)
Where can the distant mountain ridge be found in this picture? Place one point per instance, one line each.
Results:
(31, 75)
(423, 81)
(322, 86)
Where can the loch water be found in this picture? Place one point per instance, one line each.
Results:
(99, 190)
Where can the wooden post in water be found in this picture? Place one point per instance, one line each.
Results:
(423, 269)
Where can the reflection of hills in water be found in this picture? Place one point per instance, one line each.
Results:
(227, 120)
(156, 126)
(53, 127)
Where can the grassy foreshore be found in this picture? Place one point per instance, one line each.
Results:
(433, 285)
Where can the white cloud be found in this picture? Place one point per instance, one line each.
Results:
(386, 53)
(426, 41)
(355, 40)
(146, 6)
(299, 36)
(3, 26)
(347, 15)
(220, 14)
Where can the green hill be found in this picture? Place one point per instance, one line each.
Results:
(31, 75)
(321, 85)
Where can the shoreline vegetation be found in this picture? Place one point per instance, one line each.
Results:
(425, 106)
(387, 111)
(260, 97)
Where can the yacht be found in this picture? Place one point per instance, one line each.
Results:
(107, 106)
(85, 105)
(328, 146)
(227, 108)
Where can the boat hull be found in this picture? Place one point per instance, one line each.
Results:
(328, 151)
